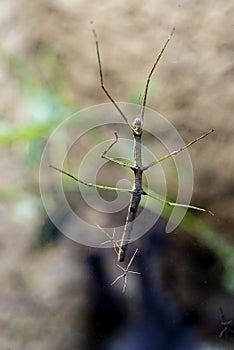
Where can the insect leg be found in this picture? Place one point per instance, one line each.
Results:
(178, 150)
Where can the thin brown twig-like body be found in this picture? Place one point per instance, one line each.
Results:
(136, 128)
(137, 190)
(138, 169)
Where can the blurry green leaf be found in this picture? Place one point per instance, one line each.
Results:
(10, 133)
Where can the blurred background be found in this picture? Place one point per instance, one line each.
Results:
(55, 294)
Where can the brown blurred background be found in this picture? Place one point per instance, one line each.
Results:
(48, 70)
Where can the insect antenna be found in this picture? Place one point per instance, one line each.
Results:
(102, 79)
(150, 75)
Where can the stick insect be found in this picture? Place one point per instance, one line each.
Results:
(138, 168)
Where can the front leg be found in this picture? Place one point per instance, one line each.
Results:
(103, 155)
